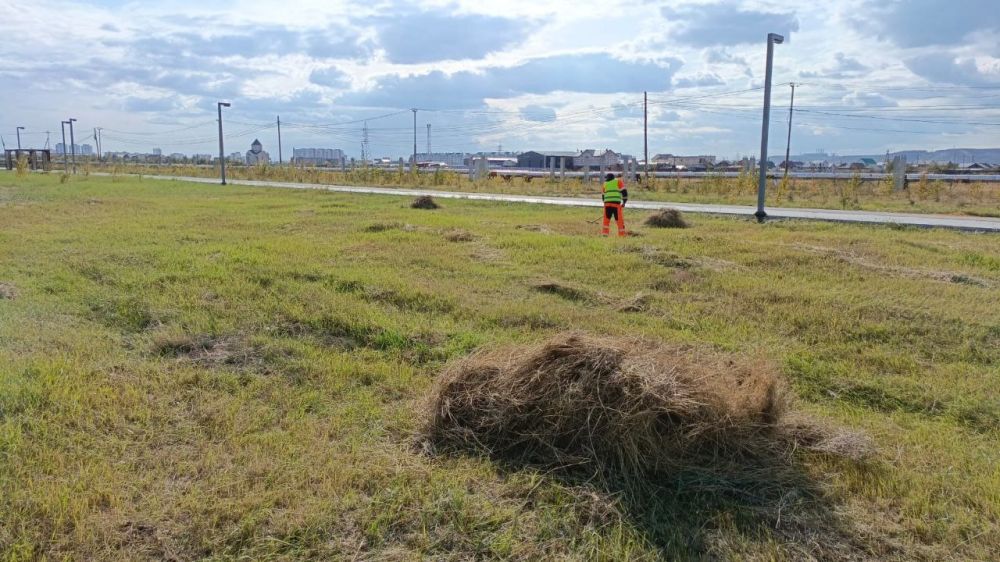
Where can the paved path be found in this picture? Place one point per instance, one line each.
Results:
(981, 224)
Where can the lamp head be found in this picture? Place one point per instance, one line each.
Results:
(775, 38)
(224, 104)
(20, 128)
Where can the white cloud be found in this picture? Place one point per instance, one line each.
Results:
(557, 74)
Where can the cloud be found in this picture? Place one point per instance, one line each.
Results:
(435, 36)
(843, 67)
(330, 77)
(252, 42)
(864, 99)
(944, 68)
(627, 111)
(698, 81)
(150, 104)
(921, 23)
(591, 73)
(538, 113)
(707, 25)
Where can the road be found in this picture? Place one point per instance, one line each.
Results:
(975, 224)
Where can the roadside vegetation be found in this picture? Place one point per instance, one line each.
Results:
(199, 372)
(850, 191)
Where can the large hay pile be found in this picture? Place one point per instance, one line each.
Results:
(610, 406)
(424, 202)
(667, 218)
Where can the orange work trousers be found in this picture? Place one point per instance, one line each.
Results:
(616, 210)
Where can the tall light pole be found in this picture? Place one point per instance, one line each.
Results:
(788, 142)
(414, 166)
(280, 162)
(772, 39)
(222, 153)
(645, 135)
(65, 154)
(19, 129)
(72, 143)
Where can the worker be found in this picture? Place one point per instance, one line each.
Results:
(615, 196)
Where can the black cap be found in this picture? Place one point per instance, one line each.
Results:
(609, 177)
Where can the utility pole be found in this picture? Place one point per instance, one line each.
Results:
(72, 143)
(19, 129)
(772, 39)
(414, 168)
(279, 141)
(365, 150)
(645, 134)
(788, 143)
(65, 154)
(97, 139)
(222, 153)
(47, 133)
(428, 140)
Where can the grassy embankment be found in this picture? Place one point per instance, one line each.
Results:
(197, 372)
(847, 192)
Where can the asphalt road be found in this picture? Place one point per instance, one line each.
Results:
(980, 224)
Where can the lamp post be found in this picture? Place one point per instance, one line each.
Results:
(772, 39)
(222, 154)
(62, 124)
(19, 129)
(72, 143)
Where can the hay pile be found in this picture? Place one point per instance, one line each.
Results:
(619, 407)
(424, 202)
(667, 218)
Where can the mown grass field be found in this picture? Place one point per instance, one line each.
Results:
(847, 192)
(197, 372)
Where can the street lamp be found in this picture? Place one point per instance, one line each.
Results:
(772, 39)
(19, 129)
(62, 124)
(72, 143)
(222, 155)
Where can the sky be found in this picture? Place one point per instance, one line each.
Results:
(870, 75)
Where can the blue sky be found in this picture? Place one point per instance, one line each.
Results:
(874, 75)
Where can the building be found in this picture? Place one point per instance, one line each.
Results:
(318, 156)
(67, 149)
(86, 150)
(670, 162)
(546, 160)
(256, 155)
(450, 159)
(592, 160)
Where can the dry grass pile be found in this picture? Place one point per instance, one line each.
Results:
(667, 218)
(611, 407)
(459, 235)
(424, 202)
(7, 291)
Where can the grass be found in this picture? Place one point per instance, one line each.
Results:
(197, 372)
(847, 192)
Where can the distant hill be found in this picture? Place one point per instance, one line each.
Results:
(956, 155)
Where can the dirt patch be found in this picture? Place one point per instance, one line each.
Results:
(209, 350)
(560, 289)
(534, 228)
(912, 273)
(142, 539)
(621, 407)
(382, 226)
(8, 291)
(459, 235)
(667, 218)
(424, 202)
(638, 303)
